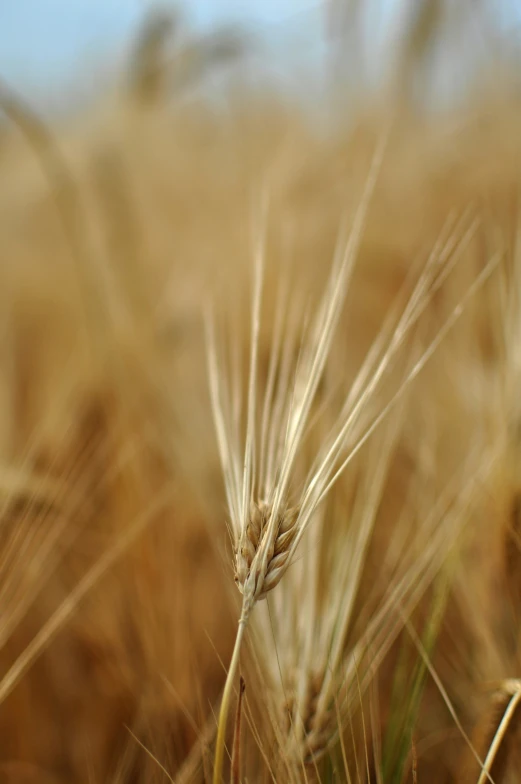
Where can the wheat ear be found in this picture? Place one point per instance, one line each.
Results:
(266, 528)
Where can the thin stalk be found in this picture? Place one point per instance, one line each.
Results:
(225, 704)
(499, 737)
(236, 751)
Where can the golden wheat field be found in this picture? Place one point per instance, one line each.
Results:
(260, 441)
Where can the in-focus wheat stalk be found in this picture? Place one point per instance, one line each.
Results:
(266, 527)
(321, 641)
(270, 507)
(299, 644)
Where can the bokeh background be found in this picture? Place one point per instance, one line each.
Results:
(60, 54)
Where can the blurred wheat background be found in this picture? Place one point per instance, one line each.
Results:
(362, 162)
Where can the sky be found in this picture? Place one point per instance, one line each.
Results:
(46, 42)
(51, 48)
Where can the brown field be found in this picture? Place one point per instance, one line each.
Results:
(117, 601)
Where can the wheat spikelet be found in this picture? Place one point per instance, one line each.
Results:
(274, 529)
(313, 647)
(277, 553)
(319, 595)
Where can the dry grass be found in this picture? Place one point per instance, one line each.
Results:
(373, 394)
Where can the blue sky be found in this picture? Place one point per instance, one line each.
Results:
(58, 52)
(45, 42)
(53, 47)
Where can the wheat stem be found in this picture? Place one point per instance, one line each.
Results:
(500, 734)
(225, 703)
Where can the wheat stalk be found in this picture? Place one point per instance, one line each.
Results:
(318, 663)
(312, 615)
(507, 700)
(266, 527)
